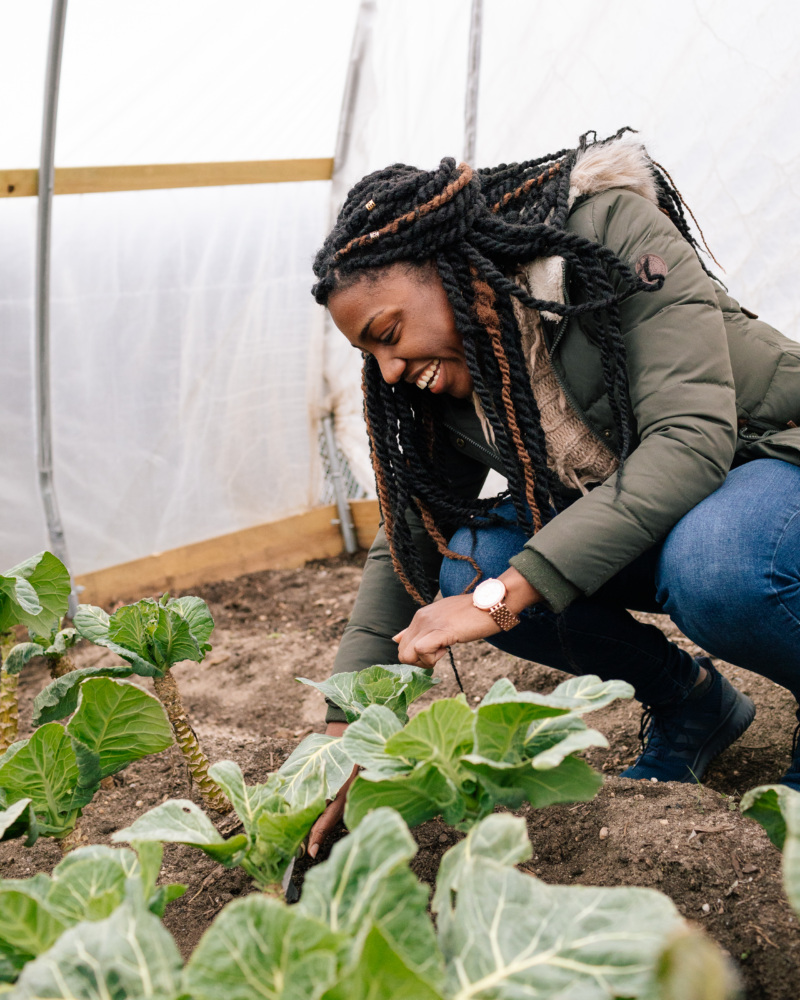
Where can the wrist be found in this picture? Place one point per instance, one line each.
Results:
(520, 594)
(335, 728)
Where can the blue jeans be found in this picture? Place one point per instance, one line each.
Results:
(728, 574)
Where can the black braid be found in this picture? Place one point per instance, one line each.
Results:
(476, 228)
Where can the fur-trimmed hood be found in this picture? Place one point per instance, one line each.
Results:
(617, 164)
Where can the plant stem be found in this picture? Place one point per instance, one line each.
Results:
(9, 708)
(75, 838)
(60, 665)
(274, 890)
(167, 690)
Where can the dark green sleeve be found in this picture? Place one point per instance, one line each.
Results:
(683, 401)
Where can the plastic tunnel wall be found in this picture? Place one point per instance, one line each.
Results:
(189, 362)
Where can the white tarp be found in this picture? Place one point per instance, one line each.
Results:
(185, 346)
(186, 349)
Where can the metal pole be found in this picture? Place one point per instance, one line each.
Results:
(43, 227)
(339, 489)
(473, 78)
(361, 39)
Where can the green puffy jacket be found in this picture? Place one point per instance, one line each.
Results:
(710, 386)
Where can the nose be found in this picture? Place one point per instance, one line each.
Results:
(392, 368)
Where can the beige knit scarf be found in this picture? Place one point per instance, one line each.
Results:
(578, 458)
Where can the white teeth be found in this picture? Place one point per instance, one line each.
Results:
(429, 376)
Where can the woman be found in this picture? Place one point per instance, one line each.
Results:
(553, 320)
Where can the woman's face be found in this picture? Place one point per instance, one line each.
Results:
(405, 321)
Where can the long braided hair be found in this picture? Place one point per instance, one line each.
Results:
(475, 227)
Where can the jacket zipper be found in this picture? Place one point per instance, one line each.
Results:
(468, 440)
(754, 430)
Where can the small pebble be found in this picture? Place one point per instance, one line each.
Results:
(139, 803)
(443, 838)
(664, 822)
(603, 833)
(706, 908)
(654, 781)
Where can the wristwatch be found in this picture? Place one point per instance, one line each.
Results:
(489, 596)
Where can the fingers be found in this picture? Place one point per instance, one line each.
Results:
(322, 828)
(423, 649)
(422, 658)
(333, 813)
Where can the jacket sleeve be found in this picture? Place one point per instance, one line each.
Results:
(383, 607)
(683, 400)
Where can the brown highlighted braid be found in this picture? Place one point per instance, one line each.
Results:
(475, 228)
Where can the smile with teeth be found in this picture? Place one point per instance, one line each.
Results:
(430, 376)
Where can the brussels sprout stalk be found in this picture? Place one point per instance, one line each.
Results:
(9, 710)
(166, 688)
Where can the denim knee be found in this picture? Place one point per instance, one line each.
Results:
(490, 546)
(729, 571)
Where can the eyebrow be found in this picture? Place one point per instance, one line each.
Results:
(365, 329)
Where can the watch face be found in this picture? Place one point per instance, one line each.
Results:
(488, 593)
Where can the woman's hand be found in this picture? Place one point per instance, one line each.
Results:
(456, 619)
(334, 810)
(439, 625)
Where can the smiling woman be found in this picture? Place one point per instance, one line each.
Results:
(405, 321)
(554, 320)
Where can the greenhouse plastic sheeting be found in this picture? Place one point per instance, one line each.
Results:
(185, 346)
(182, 368)
(186, 349)
(186, 81)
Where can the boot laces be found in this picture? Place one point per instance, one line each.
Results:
(647, 724)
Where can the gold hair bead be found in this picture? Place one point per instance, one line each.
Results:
(370, 205)
(374, 234)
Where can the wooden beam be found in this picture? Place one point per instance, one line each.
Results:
(283, 544)
(149, 177)
(366, 519)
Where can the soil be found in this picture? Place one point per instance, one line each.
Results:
(689, 842)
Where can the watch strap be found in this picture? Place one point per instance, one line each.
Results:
(503, 617)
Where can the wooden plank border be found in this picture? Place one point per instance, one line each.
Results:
(150, 177)
(283, 544)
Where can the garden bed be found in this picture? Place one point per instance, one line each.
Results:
(690, 842)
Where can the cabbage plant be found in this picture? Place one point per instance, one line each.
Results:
(35, 593)
(87, 886)
(55, 648)
(777, 809)
(453, 761)
(275, 815)
(151, 636)
(48, 779)
(393, 686)
(361, 931)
